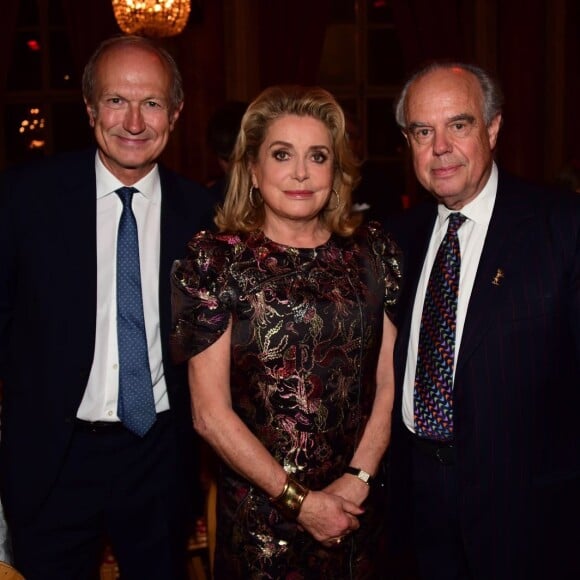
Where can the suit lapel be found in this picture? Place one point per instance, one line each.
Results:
(177, 227)
(75, 206)
(414, 256)
(168, 249)
(501, 248)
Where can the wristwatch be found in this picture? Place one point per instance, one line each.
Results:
(364, 476)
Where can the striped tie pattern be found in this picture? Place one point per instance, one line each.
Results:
(136, 405)
(433, 409)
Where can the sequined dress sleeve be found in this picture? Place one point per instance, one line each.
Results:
(201, 298)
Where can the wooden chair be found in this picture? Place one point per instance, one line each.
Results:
(109, 567)
(200, 549)
(198, 562)
(7, 572)
(211, 522)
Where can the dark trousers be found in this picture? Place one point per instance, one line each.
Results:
(116, 485)
(438, 545)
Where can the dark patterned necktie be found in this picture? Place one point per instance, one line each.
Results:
(136, 406)
(433, 411)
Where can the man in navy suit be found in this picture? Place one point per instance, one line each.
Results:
(71, 471)
(486, 468)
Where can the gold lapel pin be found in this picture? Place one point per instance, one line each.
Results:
(499, 275)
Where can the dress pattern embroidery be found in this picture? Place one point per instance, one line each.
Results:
(306, 333)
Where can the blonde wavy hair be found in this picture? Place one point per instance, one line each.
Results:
(237, 213)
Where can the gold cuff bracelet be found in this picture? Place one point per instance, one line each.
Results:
(290, 500)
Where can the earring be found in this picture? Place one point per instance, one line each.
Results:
(333, 191)
(251, 197)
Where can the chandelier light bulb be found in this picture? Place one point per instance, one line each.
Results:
(152, 18)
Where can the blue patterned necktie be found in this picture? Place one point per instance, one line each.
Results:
(433, 410)
(136, 406)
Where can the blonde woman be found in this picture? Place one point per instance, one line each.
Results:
(284, 316)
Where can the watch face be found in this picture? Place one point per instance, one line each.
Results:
(364, 476)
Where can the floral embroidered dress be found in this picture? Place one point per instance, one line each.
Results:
(306, 332)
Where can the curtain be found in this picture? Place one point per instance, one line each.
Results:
(514, 50)
(88, 23)
(7, 38)
(523, 75)
(433, 30)
(290, 40)
(572, 93)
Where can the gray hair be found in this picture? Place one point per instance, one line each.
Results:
(89, 79)
(492, 94)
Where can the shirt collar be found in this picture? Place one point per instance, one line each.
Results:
(107, 183)
(480, 208)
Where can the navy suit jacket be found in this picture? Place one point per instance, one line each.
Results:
(48, 280)
(517, 385)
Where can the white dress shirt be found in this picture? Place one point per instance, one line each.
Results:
(99, 402)
(471, 239)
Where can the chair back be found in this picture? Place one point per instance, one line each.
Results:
(7, 572)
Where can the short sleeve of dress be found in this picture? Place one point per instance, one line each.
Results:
(385, 251)
(199, 295)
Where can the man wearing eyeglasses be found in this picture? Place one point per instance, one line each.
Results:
(485, 456)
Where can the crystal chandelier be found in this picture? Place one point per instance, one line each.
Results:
(152, 18)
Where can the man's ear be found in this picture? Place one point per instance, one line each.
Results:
(493, 130)
(90, 112)
(175, 115)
